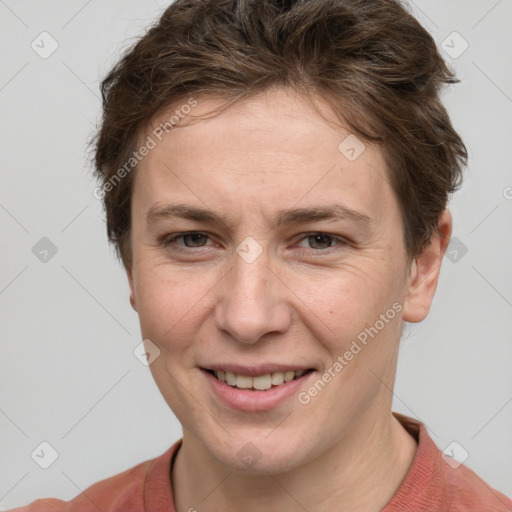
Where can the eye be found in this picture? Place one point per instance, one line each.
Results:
(322, 241)
(317, 243)
(193, 239)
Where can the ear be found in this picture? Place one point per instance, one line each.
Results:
(425, 270)
(133, 302)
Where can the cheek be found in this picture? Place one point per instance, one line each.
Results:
(170, 303)
(347, 299)
(351, 327)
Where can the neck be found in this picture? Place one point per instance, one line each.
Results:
(360, 473)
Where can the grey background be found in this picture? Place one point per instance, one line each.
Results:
(68, 375)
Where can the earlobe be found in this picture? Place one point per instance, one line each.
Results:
(425, 270)
(133, 302)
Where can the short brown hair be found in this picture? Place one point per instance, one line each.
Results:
(371, 60)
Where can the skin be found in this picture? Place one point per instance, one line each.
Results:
(302, 301)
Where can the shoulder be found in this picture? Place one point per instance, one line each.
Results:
(123, 492)
(436, 482)
(47, 504)
(466, 491)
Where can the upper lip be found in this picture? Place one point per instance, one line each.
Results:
(255, 370)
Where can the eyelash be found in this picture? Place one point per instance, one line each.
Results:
(167, 241)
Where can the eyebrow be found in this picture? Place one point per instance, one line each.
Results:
(335, 211)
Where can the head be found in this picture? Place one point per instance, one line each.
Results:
(306, 145)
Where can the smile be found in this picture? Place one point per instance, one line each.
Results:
(259, 382)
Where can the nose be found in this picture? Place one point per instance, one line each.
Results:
(253, 301)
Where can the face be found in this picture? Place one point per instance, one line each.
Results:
(296, 253)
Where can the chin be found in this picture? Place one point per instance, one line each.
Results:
(260, 453)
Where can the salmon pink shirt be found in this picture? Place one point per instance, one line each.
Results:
(431, 485)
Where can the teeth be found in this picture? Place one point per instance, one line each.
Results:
(243, 382)
(277, 378)
(288, 376)
(261, 382)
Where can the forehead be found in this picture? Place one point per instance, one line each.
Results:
(272, 150)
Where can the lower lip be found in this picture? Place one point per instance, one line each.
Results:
(247, 400)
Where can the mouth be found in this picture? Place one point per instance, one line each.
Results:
(262, 382)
